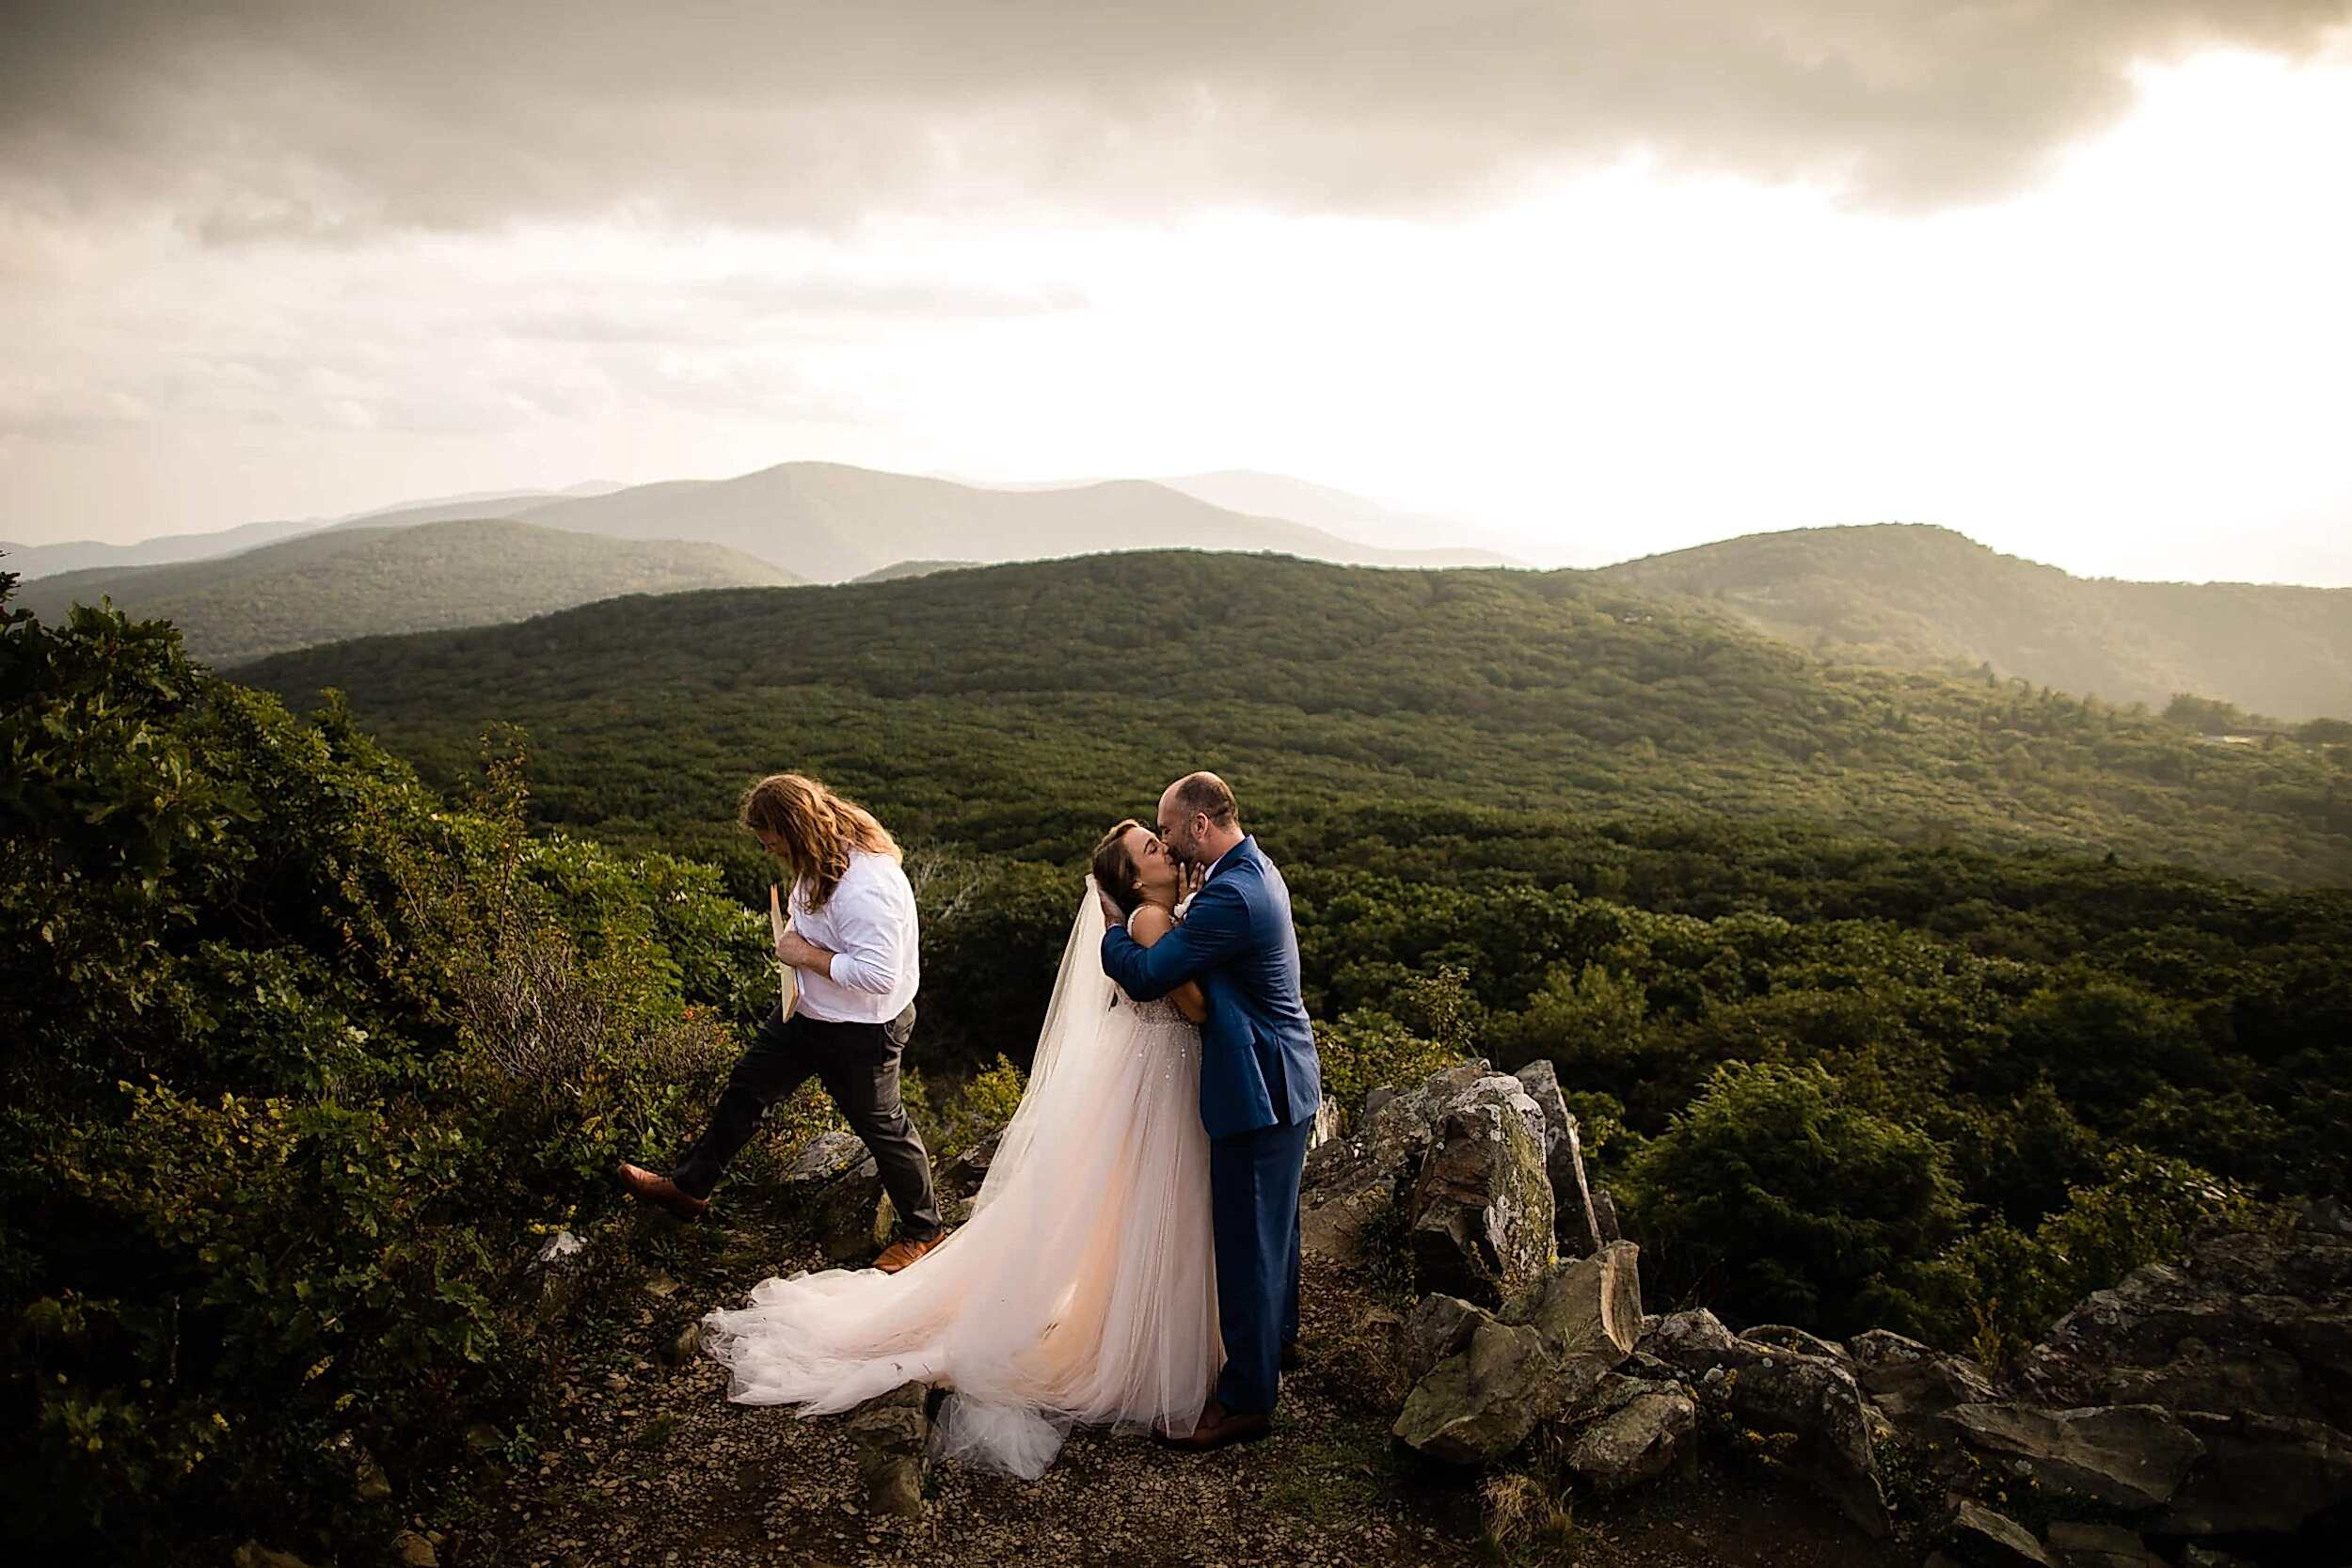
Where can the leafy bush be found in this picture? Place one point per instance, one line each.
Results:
(305, 1065)
(1772, 1194)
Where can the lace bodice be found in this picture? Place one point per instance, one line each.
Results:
(1162, 1007)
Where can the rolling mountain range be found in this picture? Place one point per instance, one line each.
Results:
(829, 523)
(358, 581)
(1903, 596)
(1918, 597)
(42, 560)
(1019, 709)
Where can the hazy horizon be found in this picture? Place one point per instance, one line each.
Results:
(1594, 285)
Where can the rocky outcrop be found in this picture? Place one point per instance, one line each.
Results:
(1774, 1388)
(1479, 1213)
(1513, 1374)
(2260, 1474)
(2244, 1322)
(1353, 1183)
(2130, 1456)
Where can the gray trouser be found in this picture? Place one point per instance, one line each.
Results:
(858, 1066)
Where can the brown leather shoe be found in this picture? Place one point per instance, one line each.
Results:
(1218, 1428)
(652, 1187)
(905, 1250)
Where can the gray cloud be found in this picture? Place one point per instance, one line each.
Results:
(327, 123)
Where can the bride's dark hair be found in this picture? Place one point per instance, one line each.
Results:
(1115, 869)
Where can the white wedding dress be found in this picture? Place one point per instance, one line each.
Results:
(1083, 1287)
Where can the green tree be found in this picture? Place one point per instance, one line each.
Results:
(1771, 1195)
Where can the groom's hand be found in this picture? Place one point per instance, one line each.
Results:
(1112, 913)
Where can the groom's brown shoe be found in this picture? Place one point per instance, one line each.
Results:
(1218, 1428)
(652, 1187)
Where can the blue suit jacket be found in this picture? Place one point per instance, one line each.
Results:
(1257, 1062)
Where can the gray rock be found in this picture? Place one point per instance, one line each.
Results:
(1605, 1215)
(961, 1180)
(1785, 1337)
(1589, 1310)
(1578, 1224)
(1693, 1343)
(1631, 1432)
(411, 1550)
(1482, 1401)
(1376, 1098)
(1911, 1384)
(2261, 1474)
(892, 1438)
(1994, 1538)
(2130, 1456)
(847, 1215)
(2080, 1545)
(2244, 1322)
(1436, 1327)
(824, 1157)
(1813, 1398)
(1480, 1212)
(1818, 1400)
(1349, 1182)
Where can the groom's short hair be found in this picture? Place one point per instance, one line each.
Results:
(1208, 795)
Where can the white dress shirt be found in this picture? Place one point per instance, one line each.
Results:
(868, 926)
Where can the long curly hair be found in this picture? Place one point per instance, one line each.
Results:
(819, 830)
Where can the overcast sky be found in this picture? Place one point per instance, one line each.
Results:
(2067, 275)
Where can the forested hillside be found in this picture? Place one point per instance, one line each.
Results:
(355, 581)
(1921, 597)
(1019, 709)
(314, 1055)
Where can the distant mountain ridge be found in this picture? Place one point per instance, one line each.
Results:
(77, 555)
(360, 581)
(830, 522)
(1916, 596)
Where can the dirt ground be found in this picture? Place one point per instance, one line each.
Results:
(647, 1464)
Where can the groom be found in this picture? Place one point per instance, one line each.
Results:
(1260, 1083)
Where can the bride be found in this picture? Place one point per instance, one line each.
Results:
(1083, 1288)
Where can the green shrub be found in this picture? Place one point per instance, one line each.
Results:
(1772, 1194)
(305, 1064)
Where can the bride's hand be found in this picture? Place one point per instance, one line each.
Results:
(1194, 876)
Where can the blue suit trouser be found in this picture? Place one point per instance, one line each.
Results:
(1253, 1208)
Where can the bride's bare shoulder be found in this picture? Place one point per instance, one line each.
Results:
(1148, 924)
